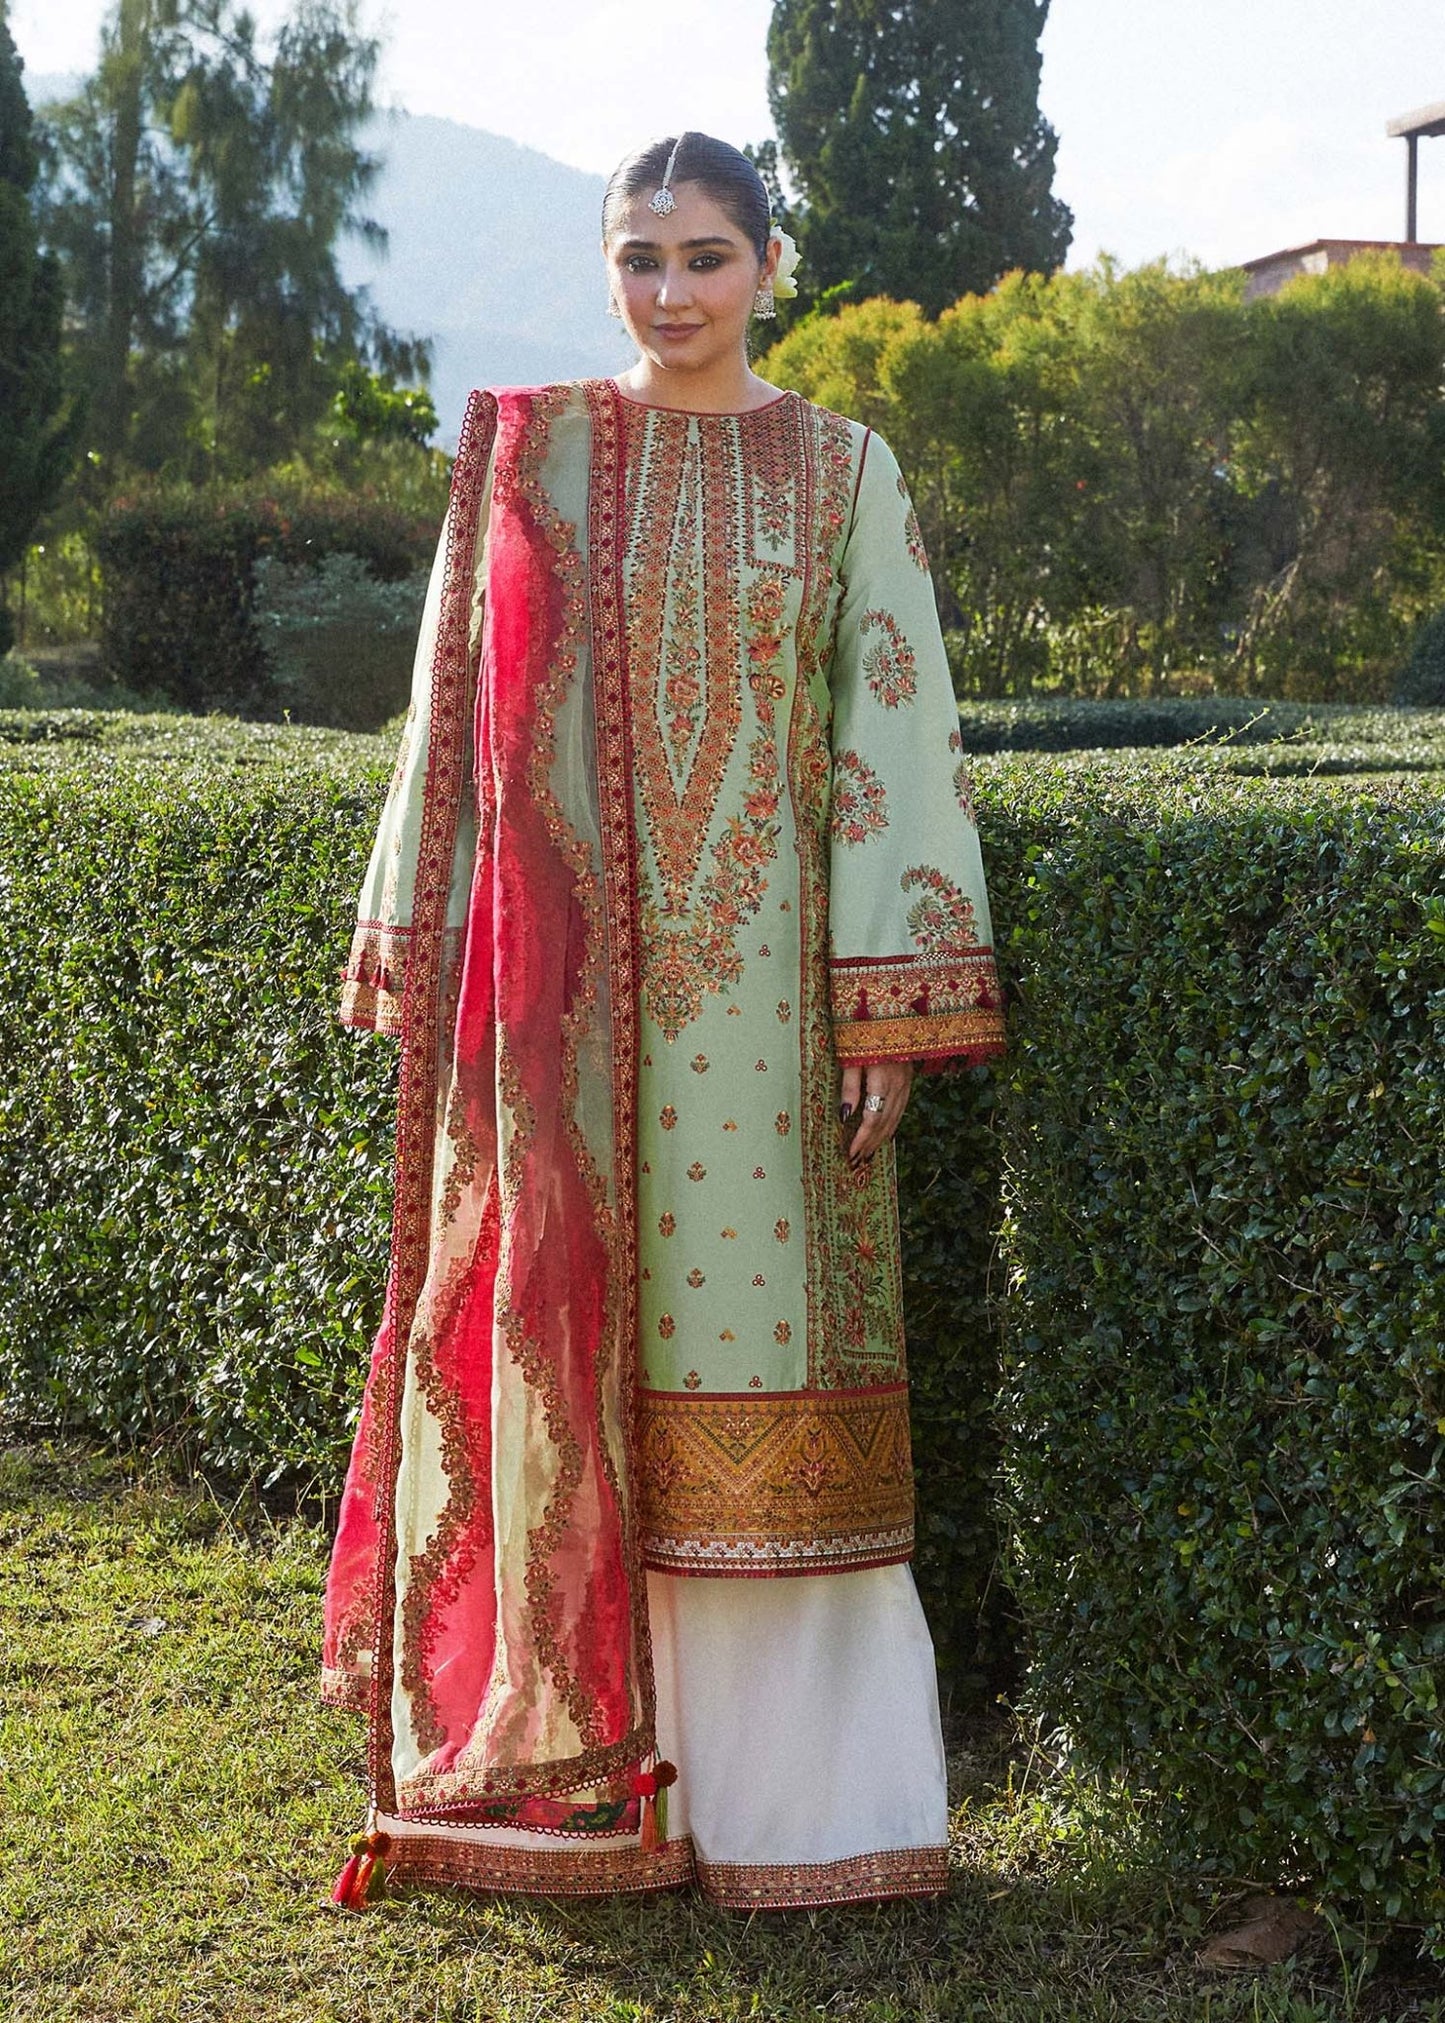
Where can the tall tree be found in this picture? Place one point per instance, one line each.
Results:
(114, 208)
(911, 131)
(34, 444)
(198, 189)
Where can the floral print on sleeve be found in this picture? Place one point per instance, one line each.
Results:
(889, 664)
(860, 801)
(942, 921)
(912, 532)
(963, 787)
(911, 967)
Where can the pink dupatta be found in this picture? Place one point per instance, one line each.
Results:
(486, 1584)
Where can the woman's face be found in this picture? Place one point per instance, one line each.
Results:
(685, 283)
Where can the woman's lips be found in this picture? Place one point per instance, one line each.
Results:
(677, 330)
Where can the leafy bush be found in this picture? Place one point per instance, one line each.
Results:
(1045, 724)
(1125, 478)
(1225, 1401)
(180, 586)
(338, 642)
(1422, 679)
(19, 683)
(61, 589)
(1221, 1269)
(54, 682)
(196, 1153)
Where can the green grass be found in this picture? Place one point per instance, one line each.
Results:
(175, 1802)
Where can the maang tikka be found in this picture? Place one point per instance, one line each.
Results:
(665, 203)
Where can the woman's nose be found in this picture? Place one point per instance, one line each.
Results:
(673, 287)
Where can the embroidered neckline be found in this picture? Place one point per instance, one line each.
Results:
(704, 413)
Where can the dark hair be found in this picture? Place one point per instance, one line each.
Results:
(728, 177)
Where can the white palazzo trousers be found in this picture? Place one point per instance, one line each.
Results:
(802, 1715)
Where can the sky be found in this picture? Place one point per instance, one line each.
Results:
(1211, 129)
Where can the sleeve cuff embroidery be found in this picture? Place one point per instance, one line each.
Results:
(374, 980)
(917, 1007)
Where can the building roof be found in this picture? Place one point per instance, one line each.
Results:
(1354, 246)
(1427, 120)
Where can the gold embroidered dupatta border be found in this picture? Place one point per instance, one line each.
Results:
(429, 999)
(416, 1116)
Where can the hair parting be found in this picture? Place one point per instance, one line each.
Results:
(719, 169)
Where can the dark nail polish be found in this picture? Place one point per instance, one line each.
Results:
(845, 1111)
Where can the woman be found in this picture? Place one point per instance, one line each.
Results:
(675, 882)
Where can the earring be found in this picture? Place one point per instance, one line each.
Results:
(764, 302)
(612, 308)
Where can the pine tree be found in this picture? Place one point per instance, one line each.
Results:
(911, 131)
(34, 446)
(197, 189)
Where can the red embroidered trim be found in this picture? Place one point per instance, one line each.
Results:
(452, 681)
(345, 1690)
(374, 980)
(797, 1886)
(436, 1861)
(917, 1007)
(606, 535)
(373, 994)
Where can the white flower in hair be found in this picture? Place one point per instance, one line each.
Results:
(784, 286)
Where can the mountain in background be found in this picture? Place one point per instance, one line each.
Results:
(494, 256)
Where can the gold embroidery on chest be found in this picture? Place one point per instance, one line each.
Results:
(682, 624)
(774, 477)
(685, 960)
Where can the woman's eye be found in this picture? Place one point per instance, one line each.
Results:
(706, 262)
(638, 263)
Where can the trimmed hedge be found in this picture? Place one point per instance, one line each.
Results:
(180, 586)
(1221, 1270)
(194, 1225)
(1422, 679)
(1225, 1398)
(1068, 725)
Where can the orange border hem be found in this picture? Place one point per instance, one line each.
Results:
(431, 1861)
(979, 1036)
(801, 1886)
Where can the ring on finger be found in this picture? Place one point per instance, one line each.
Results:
(873, 1103)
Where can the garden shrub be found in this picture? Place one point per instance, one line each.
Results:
(1221, 1270)
(1421, 680)
(1225, 1400)
(196, 1153)
(1067, 724)
(338, 642)
(180, 588)
(19, 682)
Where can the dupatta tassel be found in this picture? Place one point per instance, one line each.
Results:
(651, 1786)
(363, 1879)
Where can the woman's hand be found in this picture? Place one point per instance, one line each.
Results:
(889, 1079)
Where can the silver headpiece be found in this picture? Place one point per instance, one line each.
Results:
(665, 203)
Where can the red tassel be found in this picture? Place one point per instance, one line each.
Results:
(363, 1879)
(345, 1883)
(651, 1787)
